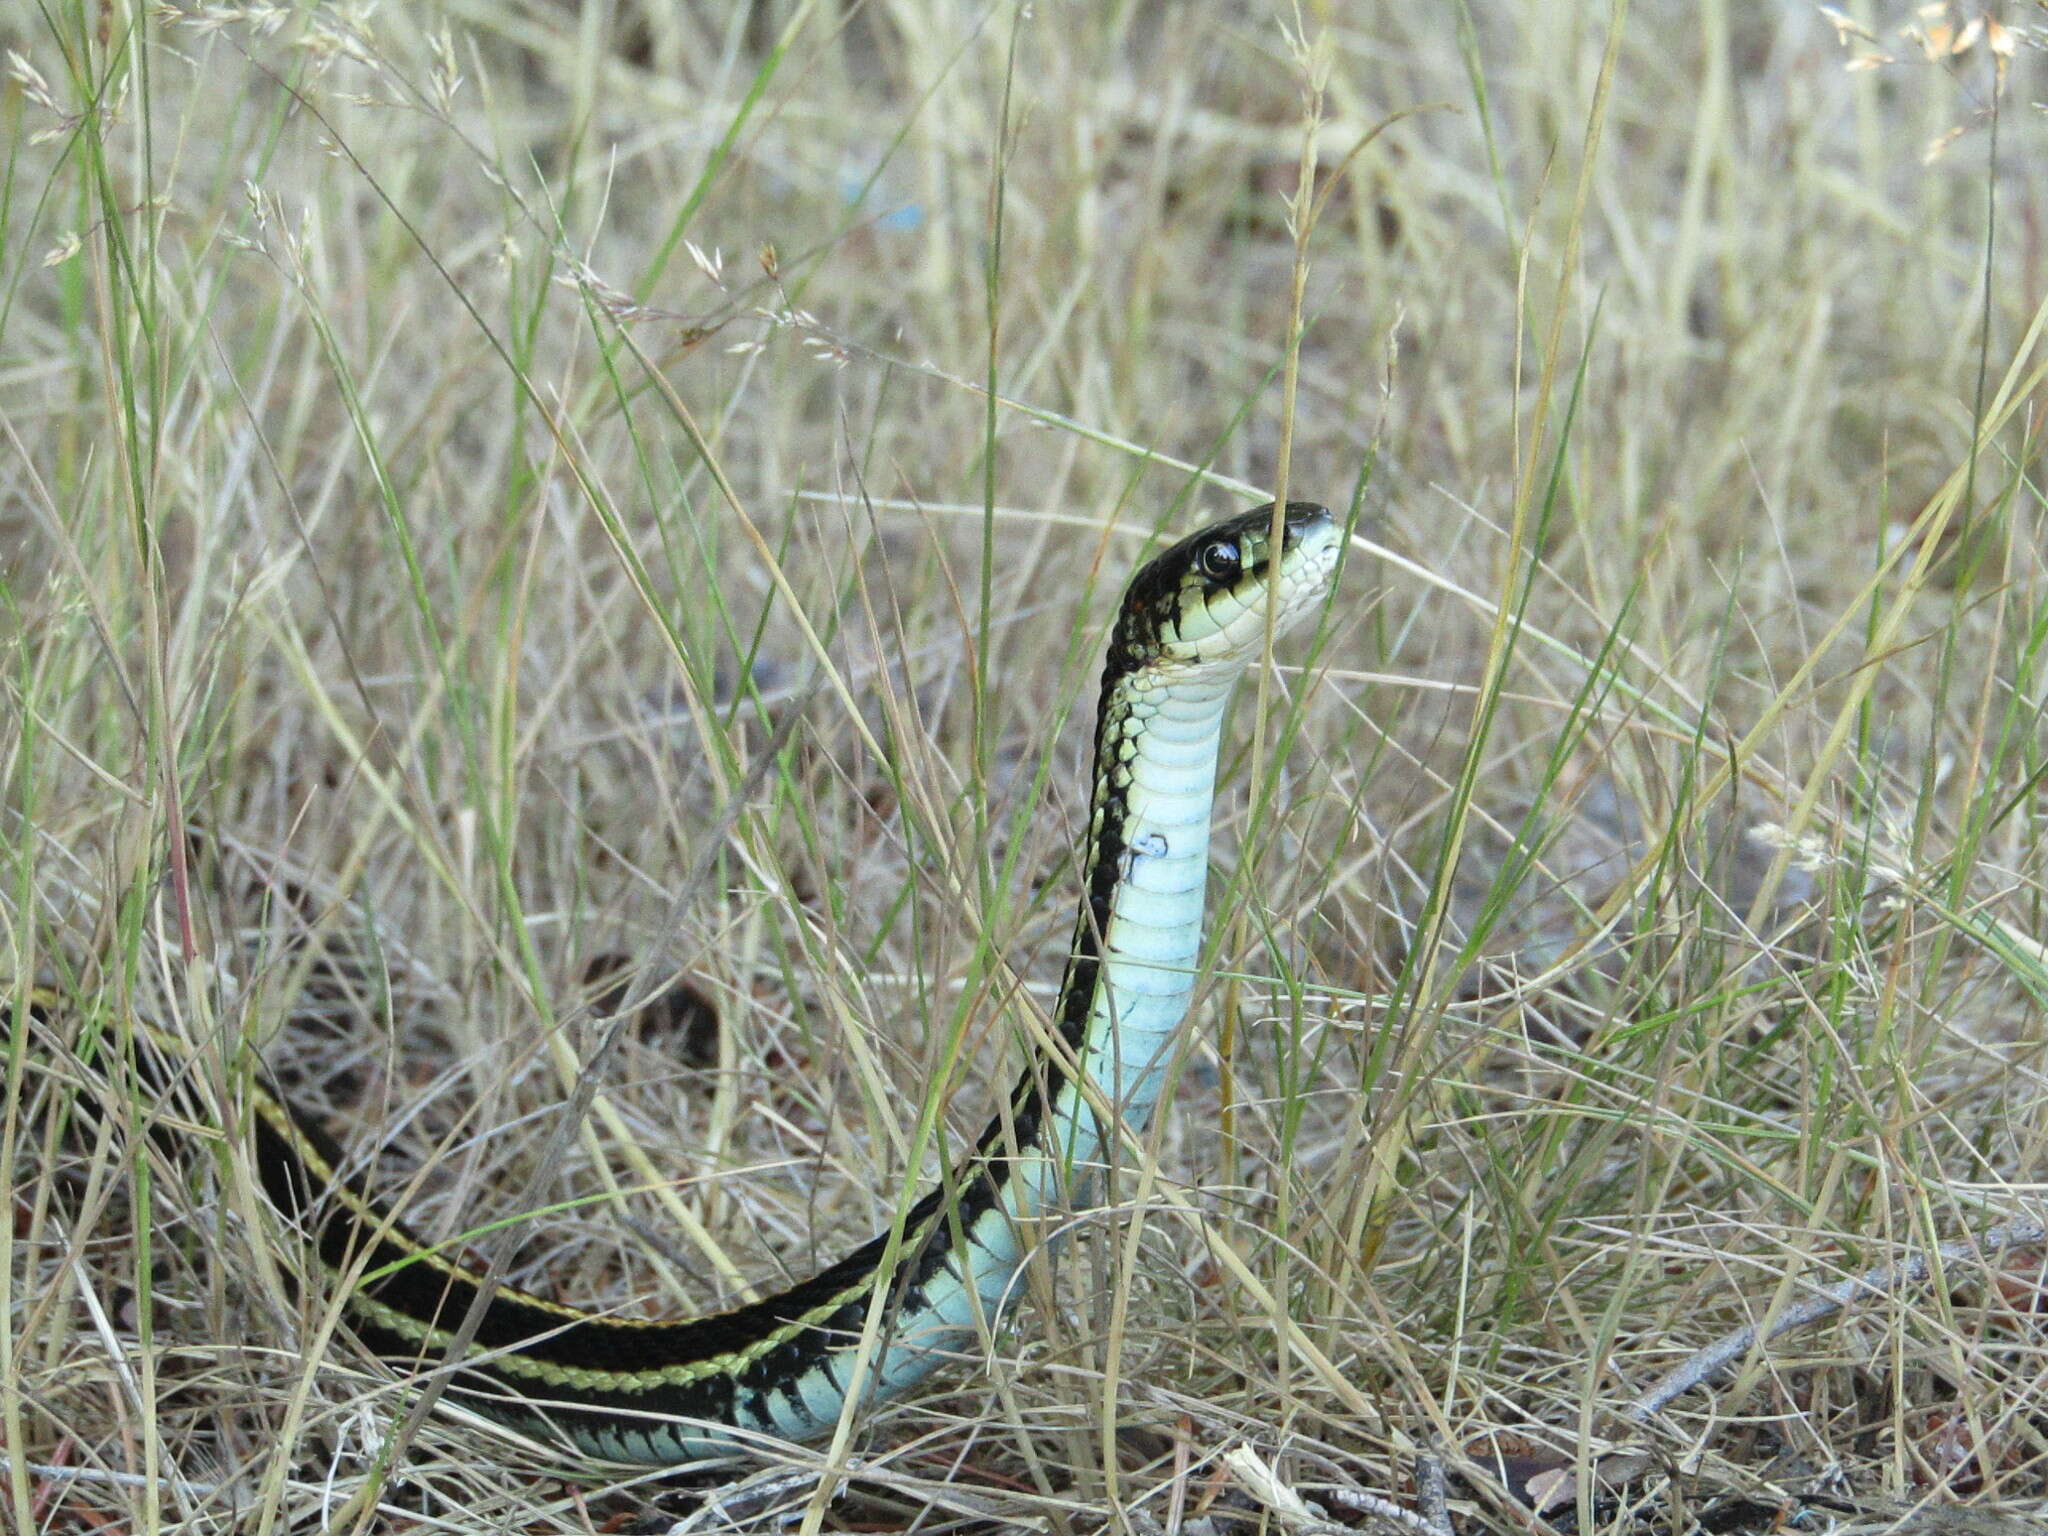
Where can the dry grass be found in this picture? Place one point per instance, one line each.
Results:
(1640, 924)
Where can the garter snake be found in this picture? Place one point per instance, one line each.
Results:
(669, 1392)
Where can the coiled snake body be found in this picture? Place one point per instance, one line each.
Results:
(783, 1367)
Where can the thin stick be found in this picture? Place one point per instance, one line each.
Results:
(1701, 1368)
(1432, 1493)
(1257, 1477)
(731, 1506)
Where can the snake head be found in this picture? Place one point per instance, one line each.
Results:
(1203, 602)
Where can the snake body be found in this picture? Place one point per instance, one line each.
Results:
(785, 1367)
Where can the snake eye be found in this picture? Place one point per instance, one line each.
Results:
(1220, 561)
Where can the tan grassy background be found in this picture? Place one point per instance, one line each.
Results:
(447, 445)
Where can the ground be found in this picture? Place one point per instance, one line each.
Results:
(521, 516)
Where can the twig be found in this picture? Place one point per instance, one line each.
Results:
(1881, 1280)
(1303, 1518)
(1374, 1506)
(730, 1506)
(1432, 1494)
(56, 1472)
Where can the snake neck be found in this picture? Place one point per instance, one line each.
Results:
(1131, 970)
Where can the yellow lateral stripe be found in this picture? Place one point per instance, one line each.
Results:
(366, 1217)
(593, 1379)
